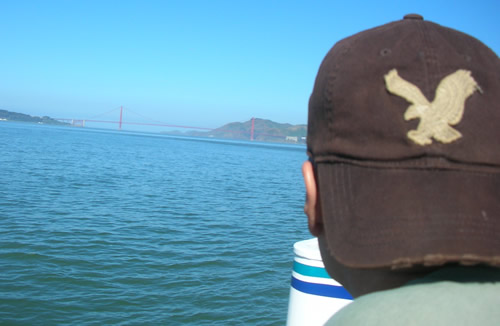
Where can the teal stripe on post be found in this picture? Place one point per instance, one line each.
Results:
(307, 270)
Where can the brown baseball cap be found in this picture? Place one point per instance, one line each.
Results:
(404, 132)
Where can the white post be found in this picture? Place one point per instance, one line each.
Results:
(314, 295)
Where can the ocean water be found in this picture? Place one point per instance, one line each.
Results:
(119, 228)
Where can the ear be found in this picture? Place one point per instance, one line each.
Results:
(312, 206)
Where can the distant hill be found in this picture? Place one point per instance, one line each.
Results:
(264, 130)
(14, 116)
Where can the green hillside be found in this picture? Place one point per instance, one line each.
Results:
(264, 130)
(14, 116)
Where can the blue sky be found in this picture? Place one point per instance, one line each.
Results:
(186, 62)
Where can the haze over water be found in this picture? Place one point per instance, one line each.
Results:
(116, 228)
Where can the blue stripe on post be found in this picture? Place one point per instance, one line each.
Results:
(324, 290)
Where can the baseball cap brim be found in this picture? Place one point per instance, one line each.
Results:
(404, 217)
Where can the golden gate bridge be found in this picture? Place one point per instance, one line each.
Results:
(120, 123)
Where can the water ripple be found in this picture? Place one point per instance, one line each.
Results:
(118, 229)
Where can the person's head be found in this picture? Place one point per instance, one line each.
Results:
(404, 146)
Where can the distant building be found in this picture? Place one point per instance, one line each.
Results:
(293, 139)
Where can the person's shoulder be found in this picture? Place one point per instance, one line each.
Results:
(388, 307)
(438, 299)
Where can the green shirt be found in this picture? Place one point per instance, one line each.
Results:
(448, 296)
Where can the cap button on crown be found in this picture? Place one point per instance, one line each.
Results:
(413, 16)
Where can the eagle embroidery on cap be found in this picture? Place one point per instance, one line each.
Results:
(446, 110)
